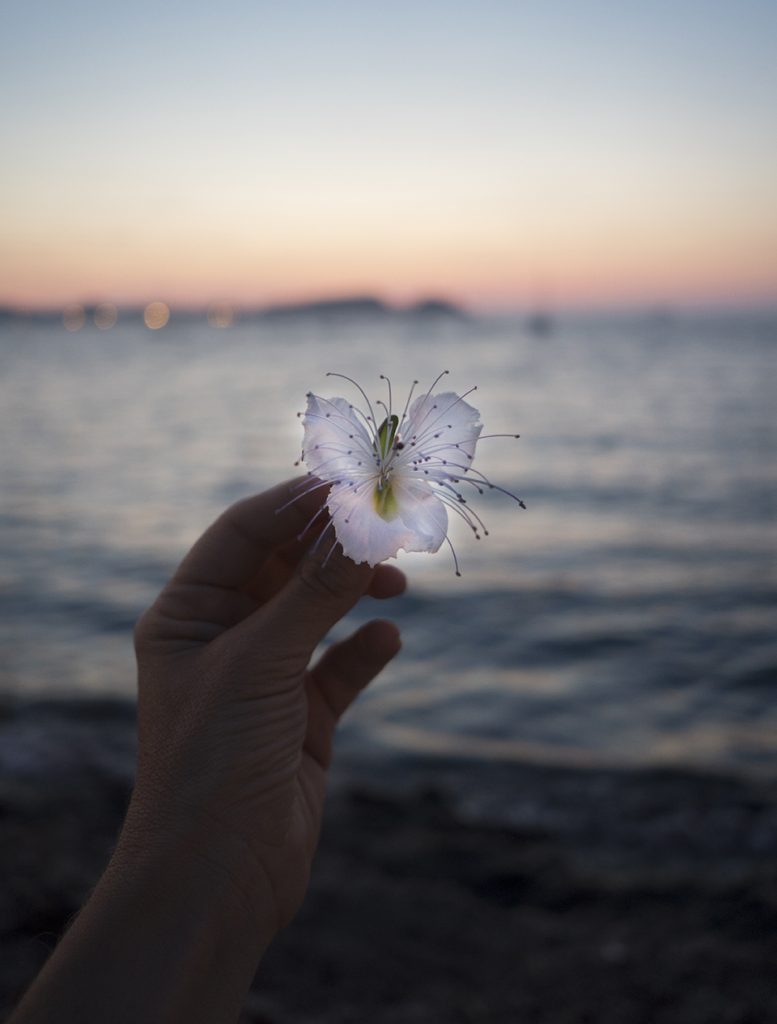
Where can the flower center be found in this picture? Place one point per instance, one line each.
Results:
(384, 501)
(383, 498)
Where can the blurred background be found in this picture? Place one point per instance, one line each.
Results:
(204, 209)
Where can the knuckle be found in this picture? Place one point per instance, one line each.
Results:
(313, 582)
(333, 581)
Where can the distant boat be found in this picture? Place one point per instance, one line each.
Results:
(540, 324)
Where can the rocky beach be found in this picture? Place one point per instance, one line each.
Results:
(593, 895)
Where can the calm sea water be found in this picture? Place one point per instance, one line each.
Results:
(627, 617)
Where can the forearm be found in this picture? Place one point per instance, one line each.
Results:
(165, 937)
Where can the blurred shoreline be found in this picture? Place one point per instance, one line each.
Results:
(609, 895)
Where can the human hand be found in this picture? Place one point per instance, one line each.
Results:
(235, 730)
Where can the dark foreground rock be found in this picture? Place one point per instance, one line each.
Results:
(449, 892)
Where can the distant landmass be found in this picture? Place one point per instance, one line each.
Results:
(356, 306)
(352, 306)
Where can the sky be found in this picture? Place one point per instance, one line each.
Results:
(503, 154)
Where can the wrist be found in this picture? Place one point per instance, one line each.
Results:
(192, 874)
(167, 935)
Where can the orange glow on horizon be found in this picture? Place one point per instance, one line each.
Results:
(565, 262)
(613, 282)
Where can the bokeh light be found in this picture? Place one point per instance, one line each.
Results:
(156, 315)
(73, 317)
(105, 316)
(221, 314)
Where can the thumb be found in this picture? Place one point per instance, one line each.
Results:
(324, 587)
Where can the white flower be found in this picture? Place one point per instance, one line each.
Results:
(392, 478)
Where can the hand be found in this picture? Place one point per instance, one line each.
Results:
(235, 730)
(235, 736)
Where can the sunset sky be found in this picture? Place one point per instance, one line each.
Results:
(499, 153)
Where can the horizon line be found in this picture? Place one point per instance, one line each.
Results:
(314, 301)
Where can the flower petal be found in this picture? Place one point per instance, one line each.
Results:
(442, 426)
(335, 441)
(421, 511)
(420, 524)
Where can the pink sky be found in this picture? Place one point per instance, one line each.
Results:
(501, 156)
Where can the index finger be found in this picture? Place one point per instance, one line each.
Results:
(232, 550)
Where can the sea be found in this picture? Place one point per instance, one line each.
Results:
(627, 617)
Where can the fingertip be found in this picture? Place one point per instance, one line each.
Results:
(381, 639)
(387, 581)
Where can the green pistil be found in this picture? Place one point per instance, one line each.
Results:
(386, 434)
(385, 503)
